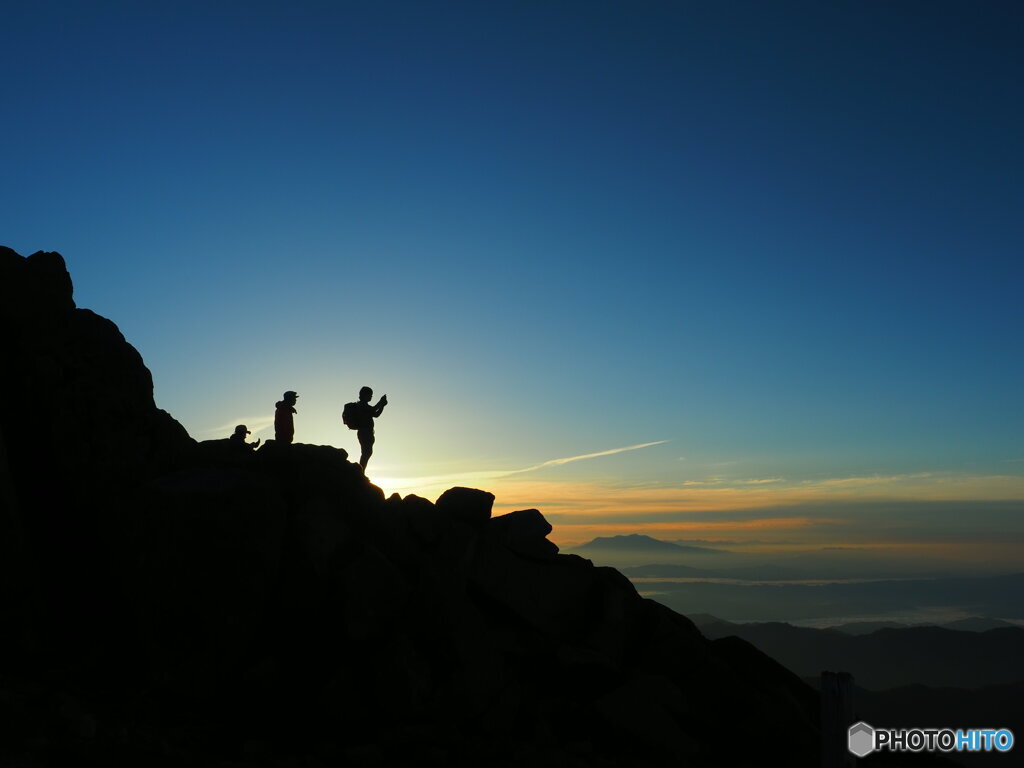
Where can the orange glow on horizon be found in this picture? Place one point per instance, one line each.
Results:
(768, 515)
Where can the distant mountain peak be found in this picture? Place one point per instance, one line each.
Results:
(640, 541)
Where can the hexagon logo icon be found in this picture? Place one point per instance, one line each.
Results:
(860, 739)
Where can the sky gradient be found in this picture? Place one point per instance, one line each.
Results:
(777, 245)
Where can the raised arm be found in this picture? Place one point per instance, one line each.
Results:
(379, 407)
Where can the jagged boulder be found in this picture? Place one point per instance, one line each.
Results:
(524, 532)
(427, 524)
(467, 505)
(34, 288)
(101, 423)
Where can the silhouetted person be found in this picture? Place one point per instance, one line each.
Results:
(238, 438)
(359, 416)
(284, 423)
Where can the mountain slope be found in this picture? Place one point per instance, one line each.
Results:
(180, 603)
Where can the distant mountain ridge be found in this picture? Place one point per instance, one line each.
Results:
(887, 658)
(972, 624)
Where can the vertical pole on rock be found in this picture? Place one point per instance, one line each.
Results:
(836, 717)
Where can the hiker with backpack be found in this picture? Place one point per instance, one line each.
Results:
(359, 416)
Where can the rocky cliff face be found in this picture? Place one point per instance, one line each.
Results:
(174, 603)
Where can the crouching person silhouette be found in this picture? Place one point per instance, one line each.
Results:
(359, 416)
(239, 437)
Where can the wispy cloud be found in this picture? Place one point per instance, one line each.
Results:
(610, 452)
(431, 481)
(872, 480)
(715, 495)
(255, 424)
(717, 481)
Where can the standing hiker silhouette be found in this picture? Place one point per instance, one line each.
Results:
(359, 416)
(284, 423)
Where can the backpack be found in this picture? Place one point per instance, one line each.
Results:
(352, 415)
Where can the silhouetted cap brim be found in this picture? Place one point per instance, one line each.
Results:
(289, 393)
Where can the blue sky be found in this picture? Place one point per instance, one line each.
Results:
(781, 240)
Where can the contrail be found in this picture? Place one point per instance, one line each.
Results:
(557, 462)
(412, 482)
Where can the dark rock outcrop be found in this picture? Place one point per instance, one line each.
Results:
(172, 603)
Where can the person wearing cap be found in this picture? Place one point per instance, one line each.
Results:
(238, 438)
(284, 423)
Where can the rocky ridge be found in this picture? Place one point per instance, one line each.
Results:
(176, 603)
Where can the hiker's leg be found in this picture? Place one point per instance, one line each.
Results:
(366, 443)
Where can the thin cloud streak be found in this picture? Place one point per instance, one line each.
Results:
(422, 483)
(611, 452)
(255, 424)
